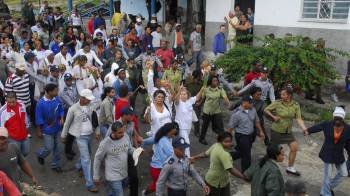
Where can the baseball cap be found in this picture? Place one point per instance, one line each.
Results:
(248, 98)
(68, 76)
(265, 70)
(179, 142)
(136, 154)
(29, 55)
(20, 66)
(177, 24)
(127, 111)
(4, 132)
(87, 93)
(54, 68)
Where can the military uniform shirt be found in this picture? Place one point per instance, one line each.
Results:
(267, 90)
(69, 95)
(175, 174)
(243, 121)
(287, 112)
(52, 80)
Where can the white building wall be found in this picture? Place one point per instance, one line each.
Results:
(287, 13)
(216, 10)
(136, 7)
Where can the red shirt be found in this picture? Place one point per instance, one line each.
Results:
(15, 122)
(250, 76)
(90, 26)
(166, 56)
(119, 105)
(7, 186)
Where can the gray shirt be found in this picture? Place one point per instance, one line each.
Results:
(130, 130)
(10, 160)
(175, 175)
(69, 95)
(115, 154)
(51, 80)
(266, 86)
(196, 39)
(243, 121)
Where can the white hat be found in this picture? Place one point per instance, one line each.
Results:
(339, 112)
(20, 66)
(136, 154)
(87, 93)
(4, 132)
(48, 52)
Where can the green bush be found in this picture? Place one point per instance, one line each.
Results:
(291, 60)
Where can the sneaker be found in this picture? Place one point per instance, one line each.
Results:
(334, 98)
(292, 171)
(145, 192)
(29, 135)
(93, 189)
(41, 160)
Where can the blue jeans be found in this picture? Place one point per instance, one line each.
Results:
(104, 129)
(84, 163)
(197, 57)
(116, 188)
(51, 144)
(23, 146)
(329, 183)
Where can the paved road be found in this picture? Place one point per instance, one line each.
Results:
(69, 183)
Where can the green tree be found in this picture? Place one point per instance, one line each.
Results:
(292, 60)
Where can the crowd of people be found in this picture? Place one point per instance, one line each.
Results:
(66, 82)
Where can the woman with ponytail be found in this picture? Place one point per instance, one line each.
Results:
(106, 117)
(266, 177)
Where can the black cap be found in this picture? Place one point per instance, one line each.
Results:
(248, 98)
(265, 70)
(68, 76)
(54, 68)
(29, 55)
(179, 142)
(127, 111)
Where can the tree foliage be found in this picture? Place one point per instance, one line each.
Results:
(292, 60)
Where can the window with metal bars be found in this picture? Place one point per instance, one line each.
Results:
(326, 9)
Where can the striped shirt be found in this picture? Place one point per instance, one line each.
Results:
(20, 86)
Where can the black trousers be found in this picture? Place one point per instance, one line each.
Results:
(224, 191)
(216, 123)
(243, 150)
(196, 125)
(68, 147)
(132, 177)
(173, 192)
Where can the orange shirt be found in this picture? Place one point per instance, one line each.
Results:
(337, 133)
(178, 38)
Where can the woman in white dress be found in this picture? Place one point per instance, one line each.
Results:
(80, 72)
(90, 55)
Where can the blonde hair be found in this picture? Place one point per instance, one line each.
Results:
(186, 91)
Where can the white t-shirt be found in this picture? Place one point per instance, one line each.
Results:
(156, 39)
(184, 113)
(86, 126)
(76, 21)
(159, 119)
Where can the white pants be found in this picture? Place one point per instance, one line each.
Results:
(185, 133)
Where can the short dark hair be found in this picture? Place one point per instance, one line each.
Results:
(222, 26)
(210, 80)
(123, 91)
(254, 90)
(116, 125)
(11, 95)
(222, 136)
(50, 87)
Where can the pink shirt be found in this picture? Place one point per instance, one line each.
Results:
(165, 56)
